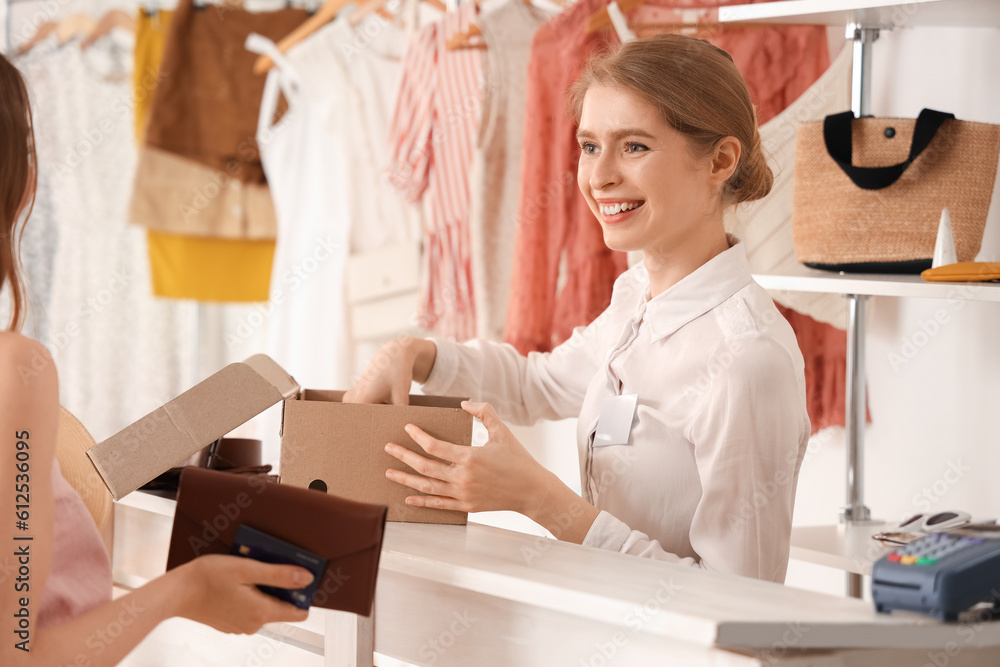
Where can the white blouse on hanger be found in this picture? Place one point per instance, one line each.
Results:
(323, 164)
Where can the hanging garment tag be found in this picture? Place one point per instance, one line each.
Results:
(614, 425)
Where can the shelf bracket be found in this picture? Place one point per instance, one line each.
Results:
(861, 76)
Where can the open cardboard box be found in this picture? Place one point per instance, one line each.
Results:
(325, 444)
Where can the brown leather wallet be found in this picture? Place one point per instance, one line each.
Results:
(211, 505)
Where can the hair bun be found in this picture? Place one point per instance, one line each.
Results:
(753, 177)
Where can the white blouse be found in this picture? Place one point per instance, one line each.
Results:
(709, 473)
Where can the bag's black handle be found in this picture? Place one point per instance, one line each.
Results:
(837, 135)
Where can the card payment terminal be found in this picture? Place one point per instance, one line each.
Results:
(940, 574)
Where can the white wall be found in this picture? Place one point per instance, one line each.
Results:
(931, 443)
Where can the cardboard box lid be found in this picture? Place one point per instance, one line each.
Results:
(202, 414)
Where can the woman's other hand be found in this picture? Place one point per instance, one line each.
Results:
(389, 374)
(221, 591)
(501, 475)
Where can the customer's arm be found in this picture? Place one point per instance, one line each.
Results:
(216, 590)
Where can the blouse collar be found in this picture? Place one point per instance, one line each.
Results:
(702, 290)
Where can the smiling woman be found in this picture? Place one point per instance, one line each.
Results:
(667, 129)
(696, 89)
(689, 388)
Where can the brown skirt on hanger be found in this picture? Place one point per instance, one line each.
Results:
(207, 99)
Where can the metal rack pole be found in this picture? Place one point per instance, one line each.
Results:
(855, 398)
(854, 424)
(861, 75)
(854, 417)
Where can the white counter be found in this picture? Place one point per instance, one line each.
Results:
(479, 596)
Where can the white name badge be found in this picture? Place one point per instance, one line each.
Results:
(614, 424)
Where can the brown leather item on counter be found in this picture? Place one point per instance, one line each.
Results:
(207, 97)
(211, 505)
(237, 453)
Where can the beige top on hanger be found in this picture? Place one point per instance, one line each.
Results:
(472, 38)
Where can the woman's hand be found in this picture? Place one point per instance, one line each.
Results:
(221, 591)
(389, 374)
(501, 475)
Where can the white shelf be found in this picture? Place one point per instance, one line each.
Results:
(811, 280)
(885, 14)
(847, 547)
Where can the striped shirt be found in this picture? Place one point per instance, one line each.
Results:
(431, 139)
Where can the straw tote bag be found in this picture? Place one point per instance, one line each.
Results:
(869, 192)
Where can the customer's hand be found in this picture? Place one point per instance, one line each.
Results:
(501, 475)
(221, 591)
(389, 374)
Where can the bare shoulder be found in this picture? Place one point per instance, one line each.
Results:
(25, 364)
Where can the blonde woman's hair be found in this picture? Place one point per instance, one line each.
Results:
(697, 90)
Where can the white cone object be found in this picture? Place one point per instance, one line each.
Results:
(944, 247)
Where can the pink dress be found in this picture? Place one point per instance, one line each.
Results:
(432, 141)
(80, 575)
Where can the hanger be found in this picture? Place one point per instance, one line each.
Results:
(600, 19)
(74, 25)
(466, 39)
(114, 18)
(687, 20)
(326, 13)
(201, 5)
(371, 7)
(470, 38)
(44, 31)
(437, 4)
(153, 7)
